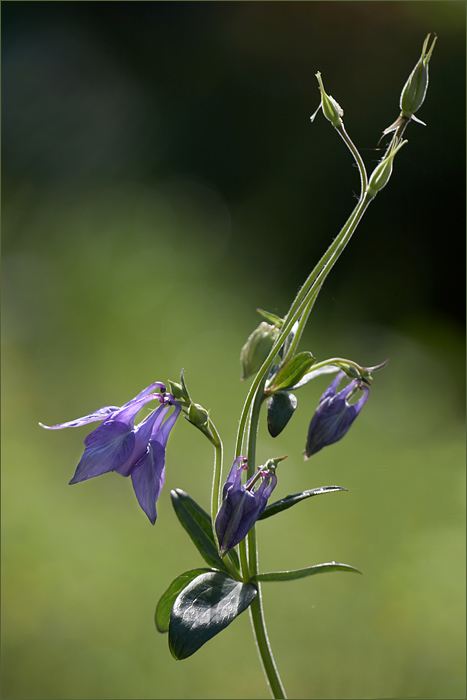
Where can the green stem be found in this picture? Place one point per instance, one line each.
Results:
(256, 608)
(216, 479)
(249, 419)
(306, 295)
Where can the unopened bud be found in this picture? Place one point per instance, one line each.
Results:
(331, 109)
(257, 348)
(197, 414)
(414, 91)
(381, 174)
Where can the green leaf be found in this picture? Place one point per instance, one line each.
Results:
(165, 604)
(291, 373)
(276, 320)
(204, 608)
(281, 407)
(198, 524)
(309, 376)
(290, 501)
(302, 573)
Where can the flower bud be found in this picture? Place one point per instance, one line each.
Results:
(381, 174)
(197, 415)
(257, 348)
(331, 109)
(414, 91)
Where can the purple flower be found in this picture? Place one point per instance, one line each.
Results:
(137, 451)
(241, 505)
(334, 414)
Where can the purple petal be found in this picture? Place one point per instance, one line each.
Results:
(159, 386)
(148, 479)
(332, 388)
(100, 414)
(142, 434)
(127, 413)
(107, 447)
(161, 434)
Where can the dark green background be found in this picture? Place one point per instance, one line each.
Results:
(161, 179)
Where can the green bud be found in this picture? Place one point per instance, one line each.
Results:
(197, 415)
(257, 348)
(381, 174)
(331, 109)
(414, 91)
(177, 391)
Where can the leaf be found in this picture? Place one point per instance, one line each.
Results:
(275, 320)
(281, 407)
(302, 573)
(292, 372)
(326, 369)
(290, 501)
(204, 608)
(198, 524)
(165, 604)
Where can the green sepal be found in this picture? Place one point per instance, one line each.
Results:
(290, 501)
(165, 604)
(281, 407)
(291, 373)
(204, 608)
(302, 573)
(198, 525)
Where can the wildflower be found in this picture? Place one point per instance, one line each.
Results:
(334, 415)
(241, 504)
(137, 451)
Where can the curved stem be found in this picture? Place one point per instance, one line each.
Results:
(216, 479)
(311, 287)
(358, 159)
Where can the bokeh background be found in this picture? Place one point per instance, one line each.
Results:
(161, 180)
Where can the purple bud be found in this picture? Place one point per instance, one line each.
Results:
(241, 504)
(334, 415)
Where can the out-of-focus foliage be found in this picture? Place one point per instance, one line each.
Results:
(158, 165)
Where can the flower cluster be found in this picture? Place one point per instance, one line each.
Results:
(137, 451)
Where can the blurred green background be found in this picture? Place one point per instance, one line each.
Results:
(161, 180)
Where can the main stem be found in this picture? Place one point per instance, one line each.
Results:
(248, 426)
(251, 566)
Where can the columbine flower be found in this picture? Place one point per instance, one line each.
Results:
(242, 505)
(137, 451)
(334, 414)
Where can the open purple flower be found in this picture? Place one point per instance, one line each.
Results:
(334, 415)
(241, 505)
(136, 451)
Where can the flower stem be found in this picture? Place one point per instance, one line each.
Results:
(216, 479)
(256, 608)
